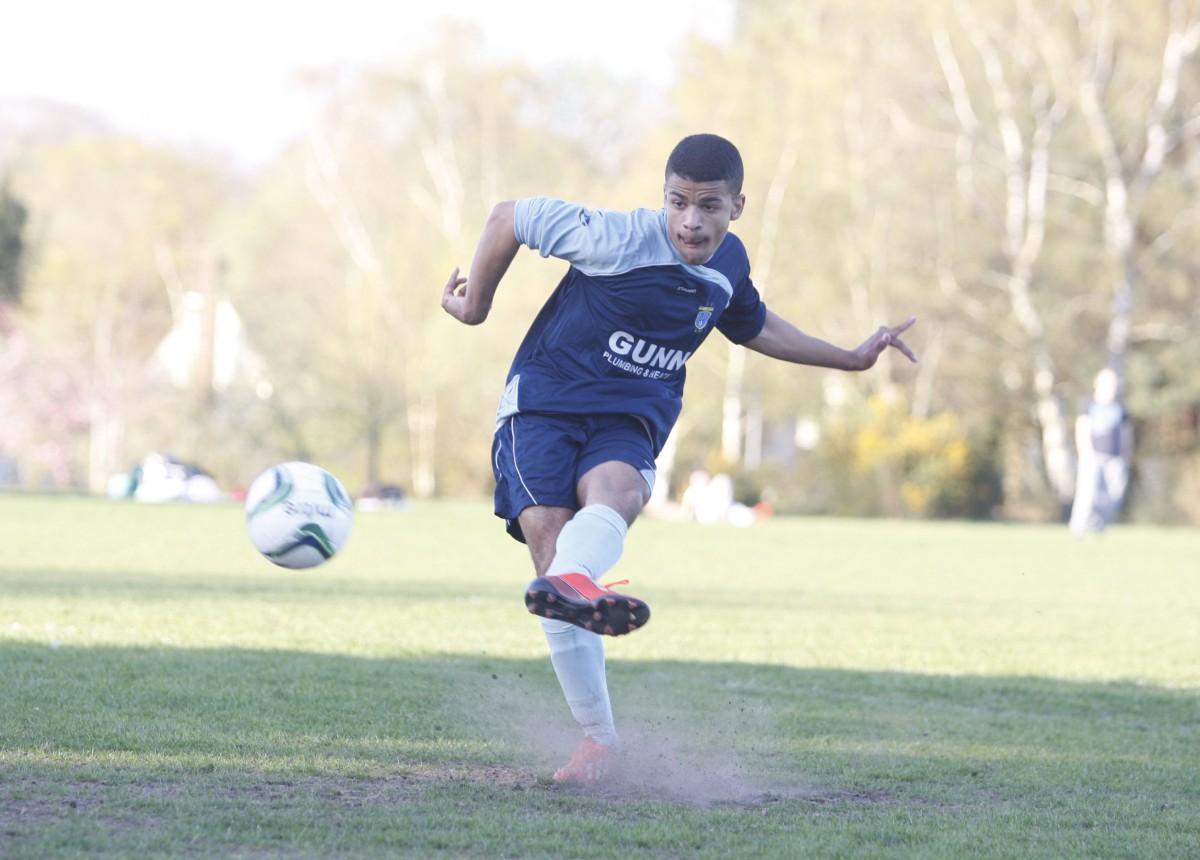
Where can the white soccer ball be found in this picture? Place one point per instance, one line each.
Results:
(298, 515)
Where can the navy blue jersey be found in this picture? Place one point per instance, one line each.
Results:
(617, 332)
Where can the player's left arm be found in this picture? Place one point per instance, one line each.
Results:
(780, 339)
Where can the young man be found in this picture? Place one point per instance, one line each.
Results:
(598, 383)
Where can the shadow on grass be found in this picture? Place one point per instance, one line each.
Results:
(271, 584)
(84, 730)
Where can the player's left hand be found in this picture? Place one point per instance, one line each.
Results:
(868, 352)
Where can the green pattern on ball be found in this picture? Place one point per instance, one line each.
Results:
(310, 535)
(283, 489)
(334, 490)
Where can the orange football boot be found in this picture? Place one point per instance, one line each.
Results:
(590, 764)
(575, 598)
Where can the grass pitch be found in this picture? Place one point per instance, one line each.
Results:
(805, 687)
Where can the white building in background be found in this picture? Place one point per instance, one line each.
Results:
(207, 347)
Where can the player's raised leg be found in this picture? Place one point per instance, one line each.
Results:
(612, 494)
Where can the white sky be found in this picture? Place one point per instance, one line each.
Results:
(222, 73)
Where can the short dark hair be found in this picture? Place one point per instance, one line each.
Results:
(707, 158)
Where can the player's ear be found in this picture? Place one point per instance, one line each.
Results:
(739, 203)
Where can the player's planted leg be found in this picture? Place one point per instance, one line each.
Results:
(578, 659)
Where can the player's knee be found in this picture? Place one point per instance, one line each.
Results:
(631, 503)
(626, 497)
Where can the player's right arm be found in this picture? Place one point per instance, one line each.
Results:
(469, 300)
(597, 241)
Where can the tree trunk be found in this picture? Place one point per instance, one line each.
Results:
(1027, 169)
(731, 406)
(1125, 189)
(422, 431)
(103, 423)
(664, 467)
(732, 409)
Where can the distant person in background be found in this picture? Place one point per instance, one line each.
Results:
(1104, 440)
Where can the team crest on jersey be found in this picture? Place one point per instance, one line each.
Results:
(703, 316)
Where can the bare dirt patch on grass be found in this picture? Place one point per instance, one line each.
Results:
(668, 754)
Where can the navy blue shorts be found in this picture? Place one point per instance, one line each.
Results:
(538, 458)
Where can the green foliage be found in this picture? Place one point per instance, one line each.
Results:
(13, 243)
(902, 465)
(114, 220)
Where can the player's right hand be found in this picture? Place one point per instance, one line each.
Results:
(454, 299)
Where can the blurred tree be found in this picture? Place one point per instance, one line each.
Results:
(836, 219)
(1054, 74)
(13, 217)
(937, 158)
(1014, 175)
(95, 307)
(1134, 144)
(1013, 111)
(361, 227)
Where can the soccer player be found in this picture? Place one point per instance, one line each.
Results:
(597, 384)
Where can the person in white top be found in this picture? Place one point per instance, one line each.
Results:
(1104, 441)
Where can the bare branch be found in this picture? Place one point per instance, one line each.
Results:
(164, 259)
(1026, 185)
(773, 207)
(960, 98)
(439, 154)
(1185, 220)
(327, 186)
(1190, 128)
(1182, 41)
(948, 283)
(1049, 46)
(1002, 98)
(1077, 188)
(1093, 84)
(1118, 227)
(967, 120)
(1160, 332)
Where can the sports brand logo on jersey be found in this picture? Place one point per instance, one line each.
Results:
(703, 316)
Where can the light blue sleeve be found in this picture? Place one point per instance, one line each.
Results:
(597, 241)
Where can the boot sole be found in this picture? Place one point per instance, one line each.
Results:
(610, 615)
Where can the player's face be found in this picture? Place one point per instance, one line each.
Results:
(698, 216)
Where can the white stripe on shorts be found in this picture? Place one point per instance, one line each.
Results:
(512, 428)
